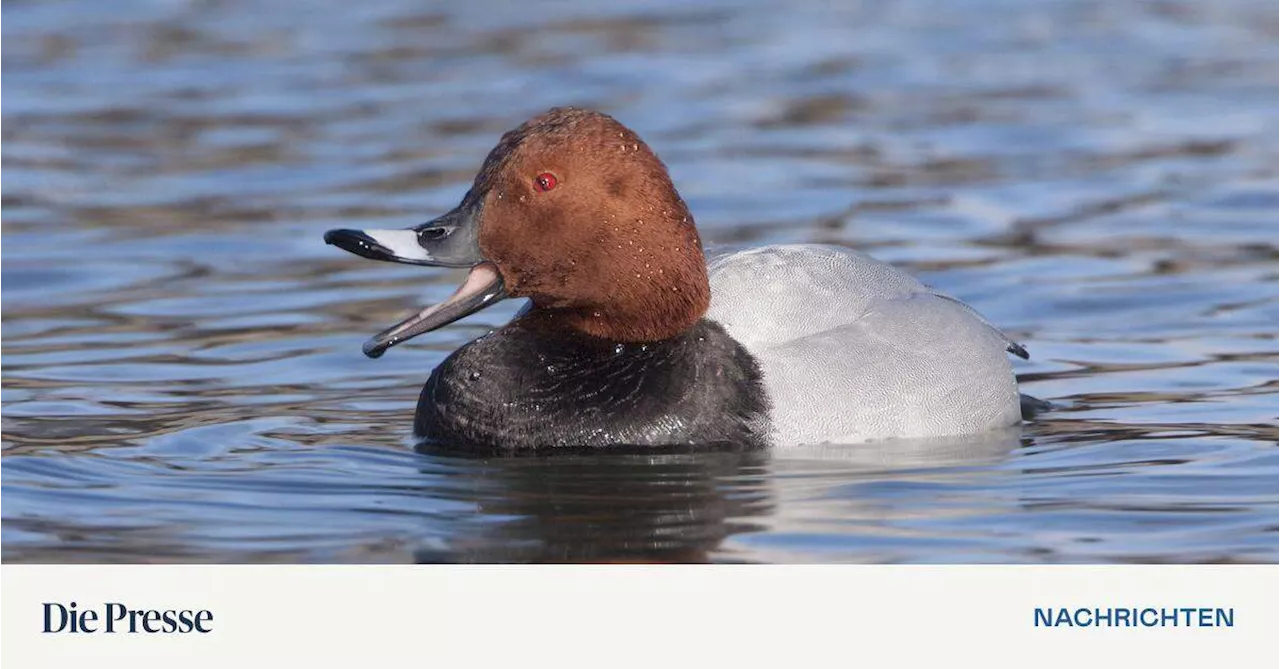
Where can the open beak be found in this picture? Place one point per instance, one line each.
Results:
(449, 241)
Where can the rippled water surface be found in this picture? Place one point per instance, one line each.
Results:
(182, 376)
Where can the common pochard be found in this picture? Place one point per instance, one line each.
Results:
(632, 339)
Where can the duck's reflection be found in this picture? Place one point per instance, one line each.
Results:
(669, 507)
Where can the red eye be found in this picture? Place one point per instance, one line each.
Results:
(545, 181)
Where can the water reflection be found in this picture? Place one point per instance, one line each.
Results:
(672, 507)
(599, 508)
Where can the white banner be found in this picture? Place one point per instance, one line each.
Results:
(641, 616)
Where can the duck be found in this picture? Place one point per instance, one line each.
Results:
(632, 338)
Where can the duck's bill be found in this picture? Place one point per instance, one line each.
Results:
(482, 287)
(448, 241)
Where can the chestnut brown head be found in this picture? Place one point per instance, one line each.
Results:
(574, 211)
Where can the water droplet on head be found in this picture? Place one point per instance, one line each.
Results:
(618, 349)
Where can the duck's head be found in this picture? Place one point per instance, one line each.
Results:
(573, 211)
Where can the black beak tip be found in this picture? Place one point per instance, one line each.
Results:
(373, 349)
(343, 238)
(331, 237)
(359, 243)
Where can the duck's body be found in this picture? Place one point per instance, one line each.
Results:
(802, 344)
(853, 349)
(632, 341)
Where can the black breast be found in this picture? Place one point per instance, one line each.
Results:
(526, 387)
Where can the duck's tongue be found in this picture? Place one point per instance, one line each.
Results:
(482, 287)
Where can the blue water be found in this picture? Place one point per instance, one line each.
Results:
(182, 376)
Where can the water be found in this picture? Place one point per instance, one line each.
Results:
(182, 376)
